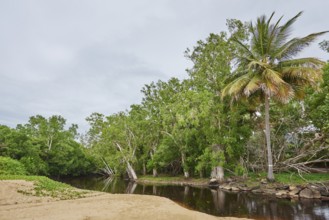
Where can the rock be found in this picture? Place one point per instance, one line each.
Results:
(324, 193)
(294, 192)
(309, 194)
(255, 187)
(244, 188)
(234, 188)
(225, 187)
(213, 180)
(213, 183)
(281, 194)
(257, 191)
(284, 187)
(325, 198)
(263, 181)
(291, 188)
(269, 191)
(316, 194)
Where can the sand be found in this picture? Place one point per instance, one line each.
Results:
(96, 206)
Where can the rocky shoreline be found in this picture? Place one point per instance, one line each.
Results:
(279, 190)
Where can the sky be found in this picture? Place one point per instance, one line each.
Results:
(76, 57)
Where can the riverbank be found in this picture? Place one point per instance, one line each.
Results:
(18, 202)
(179, 180)
(287, 185)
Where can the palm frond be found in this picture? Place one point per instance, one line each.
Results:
(284, 30)
(244, 47)
(261, 35)
(273, 42)
(235, 88)
(299, 91)
(305, 62)
(307, 75)
(257, 64)
(294, 46)
(272, 76)
(253, 85)
(285, 92)
(264, 68)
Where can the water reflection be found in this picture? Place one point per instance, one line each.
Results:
(216, 202)
(131, 188)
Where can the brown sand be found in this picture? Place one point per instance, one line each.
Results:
(96, 206)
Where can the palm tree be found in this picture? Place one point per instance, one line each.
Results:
(266, 69)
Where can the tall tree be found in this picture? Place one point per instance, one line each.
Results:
(224, 131)
(266, 69)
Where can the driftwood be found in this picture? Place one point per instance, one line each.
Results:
(304, 162)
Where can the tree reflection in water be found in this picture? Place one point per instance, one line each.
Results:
(217, 202)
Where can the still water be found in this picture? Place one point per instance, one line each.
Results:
(215, 202)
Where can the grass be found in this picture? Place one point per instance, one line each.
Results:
(252, 180)
(163, 179)
(293, 178)
(43, 186)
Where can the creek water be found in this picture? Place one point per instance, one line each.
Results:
(214, 202)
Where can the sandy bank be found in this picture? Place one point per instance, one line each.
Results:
(96, 206)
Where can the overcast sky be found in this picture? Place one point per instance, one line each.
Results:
(73, 58)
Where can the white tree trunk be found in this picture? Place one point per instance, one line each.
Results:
(131, 172)
(218, 173)
(270, 175)
(186, 172)
(155, 172)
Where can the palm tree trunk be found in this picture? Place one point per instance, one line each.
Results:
(270, 175)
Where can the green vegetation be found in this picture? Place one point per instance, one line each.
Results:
(267, 71)
(10, 166)
(165, 179)
(293, 178)
(47, 187)
(213, 119)
(45, 147)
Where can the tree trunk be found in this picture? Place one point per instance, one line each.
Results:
(155, 172)
(270, 175)
(144, 169)
(186, 173)
(218, 173)
(131, 172)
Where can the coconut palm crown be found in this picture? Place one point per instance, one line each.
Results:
(267, 68)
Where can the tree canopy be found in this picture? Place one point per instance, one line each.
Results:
(213, 118)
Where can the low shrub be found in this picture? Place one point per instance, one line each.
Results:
(9, 166)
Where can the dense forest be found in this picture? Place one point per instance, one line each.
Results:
(247, 105)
